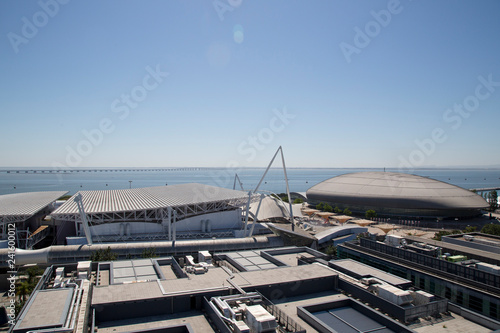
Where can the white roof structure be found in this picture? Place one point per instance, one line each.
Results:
(270, 208)
(397, 194)
(334, 232)
(19, 207)
(151, 203)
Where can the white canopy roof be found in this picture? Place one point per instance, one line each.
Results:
(19, 207)
(149, 199)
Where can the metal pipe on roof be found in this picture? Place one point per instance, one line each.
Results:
(74, 303)
(65, 253)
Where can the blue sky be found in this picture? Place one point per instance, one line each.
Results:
(211, 83)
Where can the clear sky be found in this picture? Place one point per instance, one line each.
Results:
(206, 83)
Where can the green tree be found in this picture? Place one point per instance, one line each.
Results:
(363, 235)
(469, 229)
(298, 201)
(331, 250)
(438, 235)
(320, 206)
(370, 213)
(149, 253)
(347, 212)
(23, 290)
(492, 199)
(18, 307)
(328, 208)
(491, 229)
(103, 255)
(32, 273)
(337, 210)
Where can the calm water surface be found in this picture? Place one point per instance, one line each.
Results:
(299, 179)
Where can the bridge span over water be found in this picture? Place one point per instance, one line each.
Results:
(97, 170)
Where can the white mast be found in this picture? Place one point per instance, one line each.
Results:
(83, 216)
(286, 182)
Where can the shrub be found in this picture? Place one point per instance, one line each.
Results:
(369, 214)
(103, 255)
(492, 229)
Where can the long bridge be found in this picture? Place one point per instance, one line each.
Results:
(56, 170)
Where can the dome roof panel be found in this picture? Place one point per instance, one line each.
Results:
(390, 189)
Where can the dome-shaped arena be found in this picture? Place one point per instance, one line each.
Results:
(396, 194)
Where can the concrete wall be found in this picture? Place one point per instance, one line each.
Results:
(404, 314)
(475, 244)
(280, 291)
(145, 308)
(474, 317)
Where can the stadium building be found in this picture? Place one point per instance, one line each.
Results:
(397, 194)
(185, 211)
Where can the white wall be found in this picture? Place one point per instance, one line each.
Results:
(218, 221)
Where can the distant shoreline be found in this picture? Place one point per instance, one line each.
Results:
(392, 169)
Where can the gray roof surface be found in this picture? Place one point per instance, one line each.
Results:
(367, 271)
(215, 279)
(133, 271)
(250, 260)
(48, 308)
(195, 319)
(290, 259)
(347, 320)
(393, 189)
(27, 204)
(459, 248)
(149, 198)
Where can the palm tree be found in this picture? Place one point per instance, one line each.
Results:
(23, 290)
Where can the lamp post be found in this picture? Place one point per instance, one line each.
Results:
(130, 183)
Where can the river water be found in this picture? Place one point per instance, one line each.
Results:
(300, 179)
